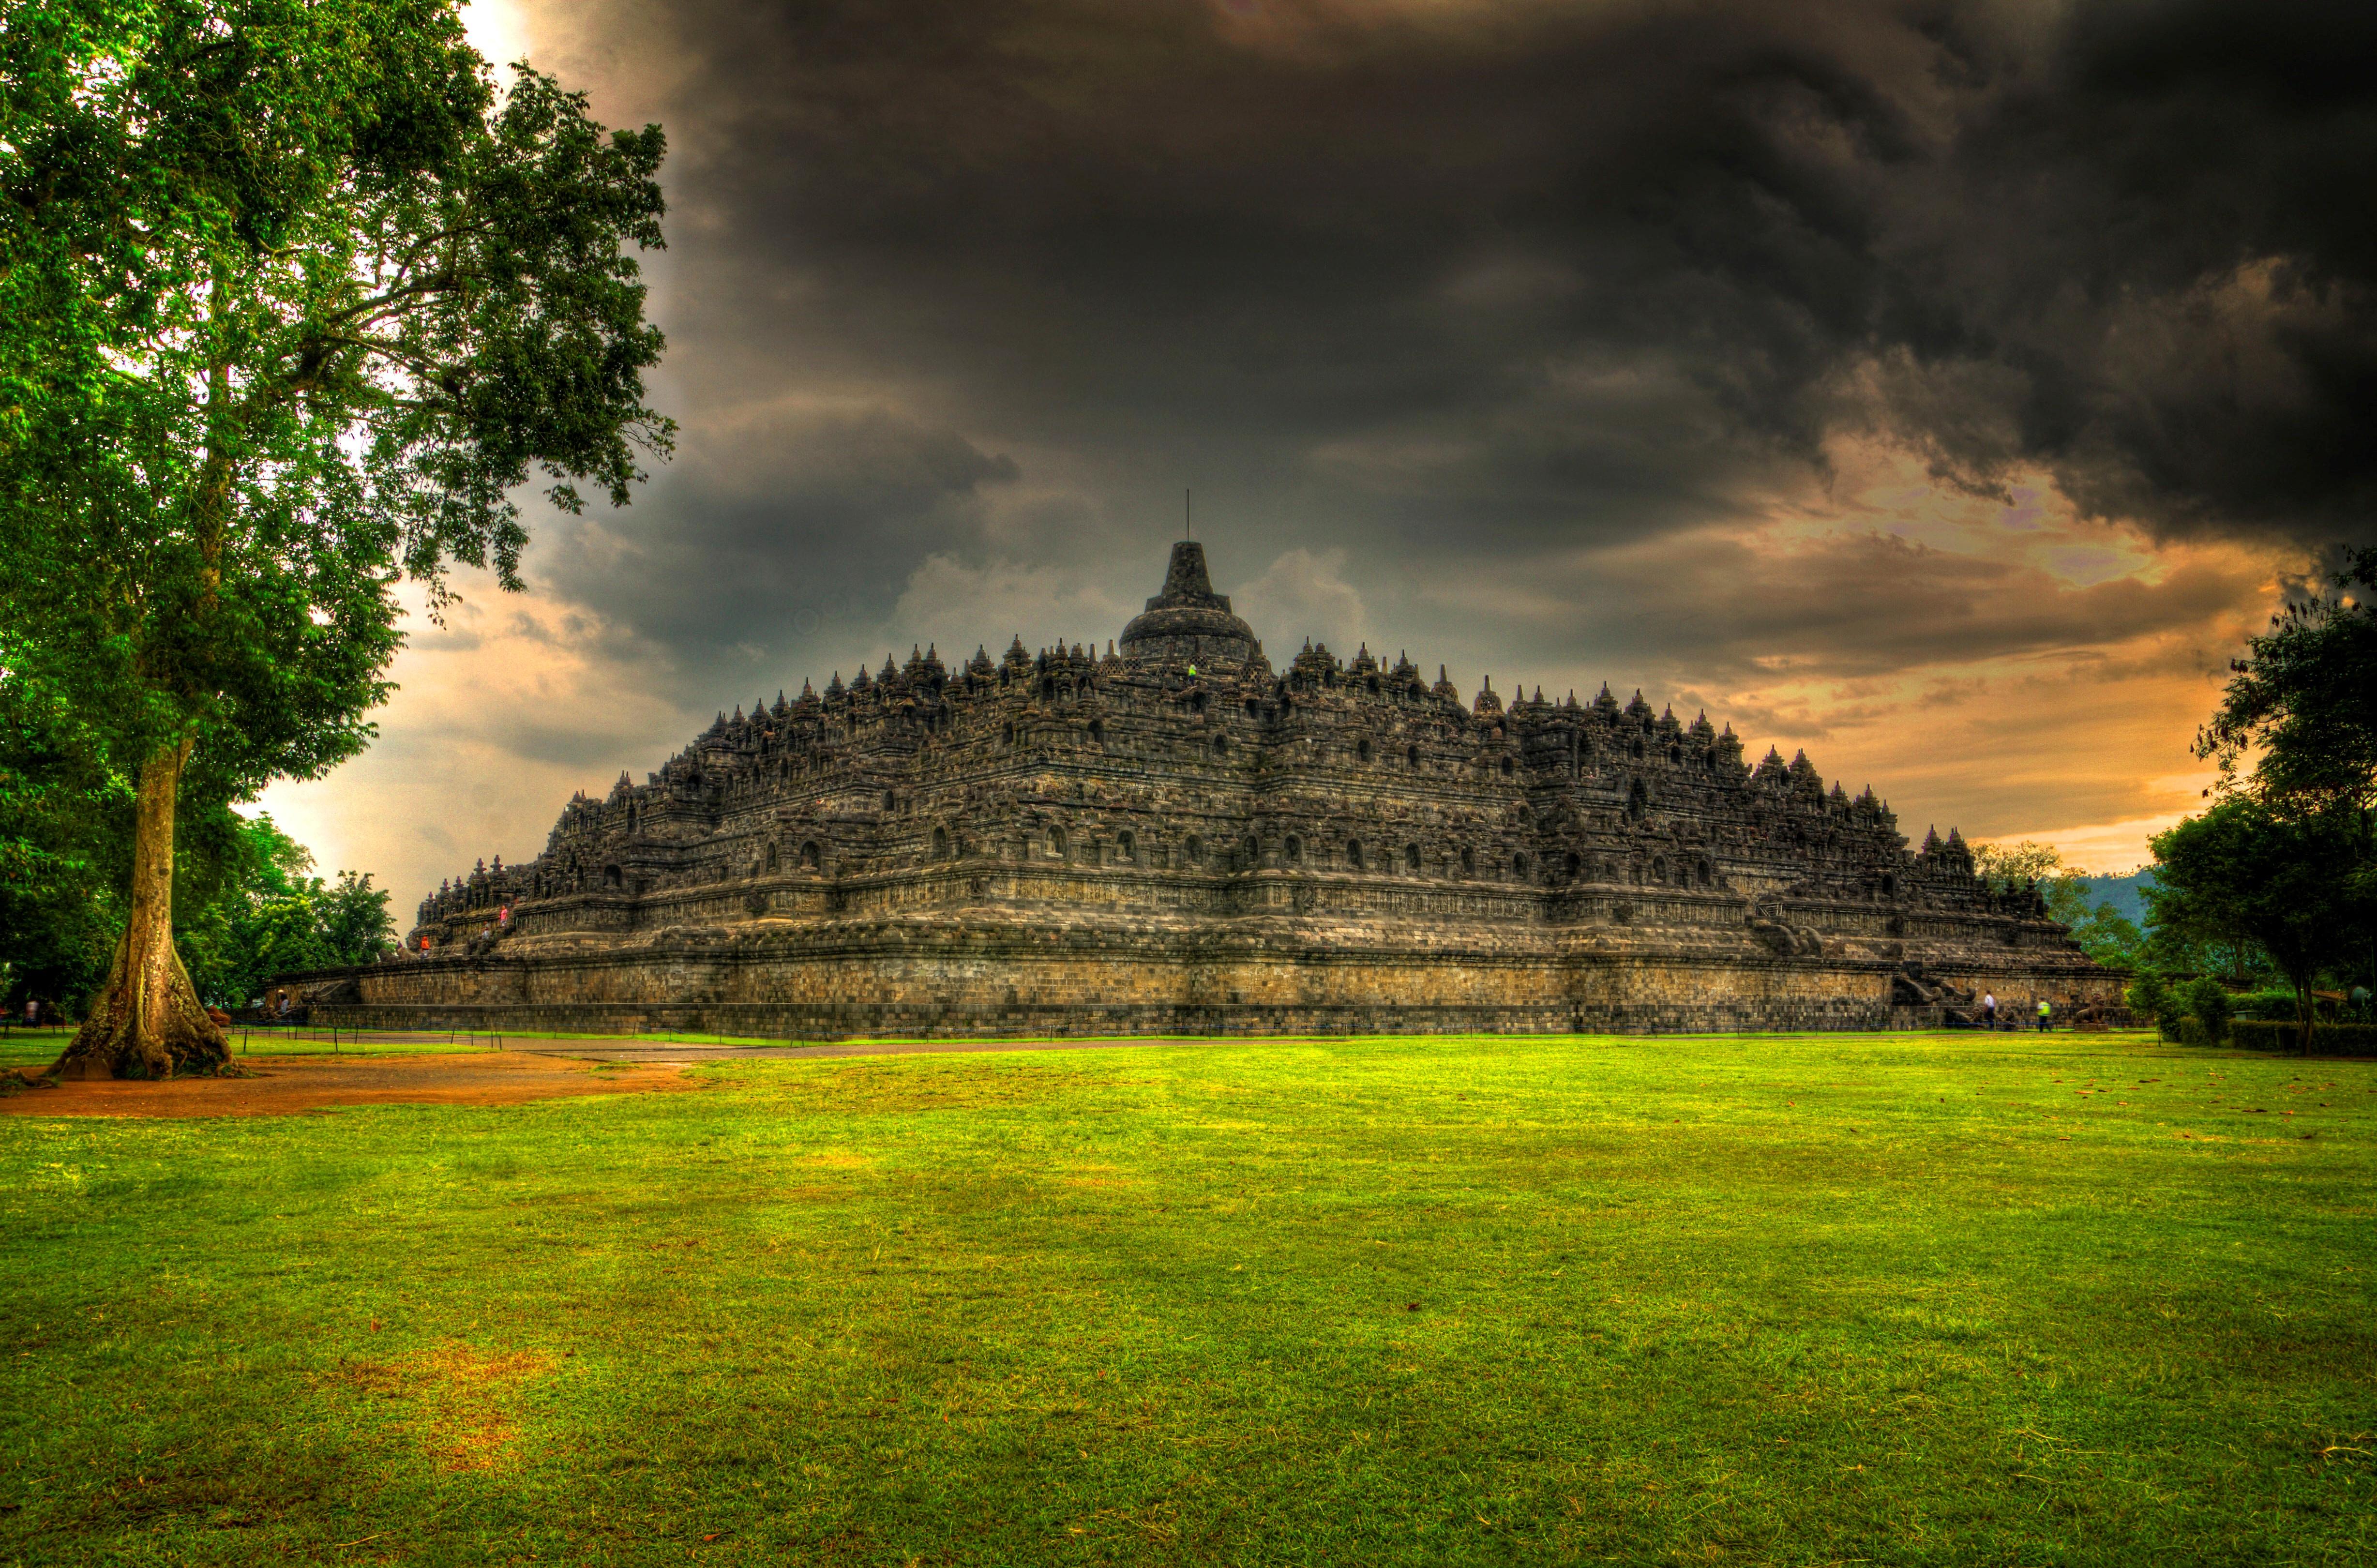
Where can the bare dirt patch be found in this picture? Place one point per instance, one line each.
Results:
(292, 1085)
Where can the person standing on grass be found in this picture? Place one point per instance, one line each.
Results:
(1989, 1009)
(2044, 1009)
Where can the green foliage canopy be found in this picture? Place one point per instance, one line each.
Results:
(2289, 859)
(2149, 997)
(2104, 933)
(2007, 865)
(288, 305)
(64, 831)
(264, 916)
(2205, 999)
(2304, 702)
(245, 909)
(2287, 884)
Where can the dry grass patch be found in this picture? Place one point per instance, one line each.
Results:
(463, 1402)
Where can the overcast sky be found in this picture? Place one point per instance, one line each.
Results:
(1944, 388)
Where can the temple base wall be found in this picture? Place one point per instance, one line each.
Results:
(944, 983)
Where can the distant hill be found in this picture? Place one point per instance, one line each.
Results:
(2121, 892)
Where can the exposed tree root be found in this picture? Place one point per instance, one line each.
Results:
(145, 1025)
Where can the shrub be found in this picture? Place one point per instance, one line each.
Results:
(2206, 1000)
(2269, 1004)
(2191, 1032)
(2326, 1039)
(2148, 996)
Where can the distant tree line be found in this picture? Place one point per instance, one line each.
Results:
(269, 918)
(2109, 934)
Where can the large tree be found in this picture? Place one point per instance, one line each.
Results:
(2288, 884)
(2302, 704)
(2295, 735)
(290, 300)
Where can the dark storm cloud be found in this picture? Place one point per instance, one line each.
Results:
(796, 522)
(1499, 272)
(1813, 613)
(2168, 249)
(1496, 280)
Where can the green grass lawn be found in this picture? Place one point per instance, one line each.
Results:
(20, 1047)
(1933, 1298)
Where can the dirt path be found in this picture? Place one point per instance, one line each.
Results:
(289, 1085)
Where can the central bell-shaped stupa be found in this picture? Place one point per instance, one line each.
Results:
(1189, 622)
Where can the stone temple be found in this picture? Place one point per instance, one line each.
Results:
(1175, 837)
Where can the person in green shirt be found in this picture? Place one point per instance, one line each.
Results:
(2044, 1009)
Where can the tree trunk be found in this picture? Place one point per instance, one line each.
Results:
(147, 1021)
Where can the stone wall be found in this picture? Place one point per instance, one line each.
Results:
(982, 971)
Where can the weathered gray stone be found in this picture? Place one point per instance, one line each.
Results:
(1176, 838)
